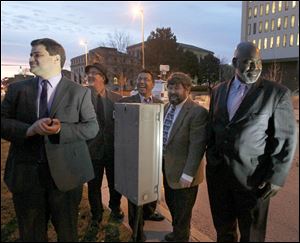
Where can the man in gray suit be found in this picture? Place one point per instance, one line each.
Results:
(184, 144)
(251, 143)
(47, 119)
(145, 84)
(102, 146)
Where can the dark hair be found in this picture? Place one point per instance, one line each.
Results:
(52, 47)
(149, 72)
(180, 78)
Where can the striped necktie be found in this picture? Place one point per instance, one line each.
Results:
(167, 124)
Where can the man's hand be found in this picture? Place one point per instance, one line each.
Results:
(44, 126)
(184, 183)
(268, 190)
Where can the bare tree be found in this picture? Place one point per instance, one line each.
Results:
(274, 73)
(119, 40)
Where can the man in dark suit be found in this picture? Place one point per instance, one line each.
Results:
(47, 119)
(184, 143)
(102, 146)
(145, 84)
(251, 143)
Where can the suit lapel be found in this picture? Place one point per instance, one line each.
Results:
(223, 102)
(60, 94)
(32, 93)
(184, 110)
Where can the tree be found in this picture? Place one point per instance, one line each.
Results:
(119, 40)
(189, 63)
(226, 72)
(273, 73)
(209, 70)
(161, 48)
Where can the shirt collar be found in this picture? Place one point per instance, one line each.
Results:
(143, 97)
(53, 81)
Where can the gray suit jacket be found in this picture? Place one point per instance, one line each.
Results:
(67, 152)
(104, 141)
(186, 145)
(259, 142)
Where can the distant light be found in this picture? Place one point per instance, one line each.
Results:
(82, 43)
(137, 10)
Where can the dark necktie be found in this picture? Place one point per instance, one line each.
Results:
(43, 106)
(100, 111)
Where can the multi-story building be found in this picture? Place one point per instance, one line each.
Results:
(136, 50)
(274, 27)
(119, 65)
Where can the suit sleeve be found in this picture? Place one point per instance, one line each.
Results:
(197, 145)
(87, 127)
(283, 142)
(12, 129)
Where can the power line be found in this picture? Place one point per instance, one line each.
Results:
(14, 65)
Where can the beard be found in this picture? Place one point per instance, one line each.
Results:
(250, 77)
(175, 99)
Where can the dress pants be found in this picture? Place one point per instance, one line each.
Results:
(94, 187)
(180, 203)
(44, 201)
(233, 206)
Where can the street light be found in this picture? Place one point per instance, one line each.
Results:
(139, 10)
(84, 43)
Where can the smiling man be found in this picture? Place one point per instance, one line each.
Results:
(251, 143)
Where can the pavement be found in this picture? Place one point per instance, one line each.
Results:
(155, 231)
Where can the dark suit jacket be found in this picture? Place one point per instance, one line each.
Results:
(258, 144)
(186, 145)
(104, 141)
(67, 152)
(137, 99)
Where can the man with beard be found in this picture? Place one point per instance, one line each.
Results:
(102, 146)
(145, 84)
(47, 119)
(184, 143)
(251, 143)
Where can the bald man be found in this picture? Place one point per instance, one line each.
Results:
(251, 144)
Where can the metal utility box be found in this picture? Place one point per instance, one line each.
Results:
(138, 151)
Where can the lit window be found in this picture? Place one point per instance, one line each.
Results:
(267, 8)
(255, 11)
(271, 42)
(265, 43)
(298, 39)
(254, 42)
(259, 43)
(249, 29)
(284, 40)
(273, 7)
(279, 23)
(279, 6)
(261, 10)
(278, 41)
(294, 4)
(291, 39)
(293, 21)
(254, 28)
(286, 19)
(286, 5)
(260, 27)
(273, 24)
(249, 13)
(267, 26)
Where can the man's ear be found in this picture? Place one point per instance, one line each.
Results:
(234, 62)
(57, 58)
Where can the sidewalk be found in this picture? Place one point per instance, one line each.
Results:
(155, 231)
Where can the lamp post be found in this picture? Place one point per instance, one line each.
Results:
(139, 10)
(84, 43)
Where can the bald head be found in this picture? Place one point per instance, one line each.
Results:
(247, 62)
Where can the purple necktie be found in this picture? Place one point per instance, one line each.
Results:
(238, 96)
